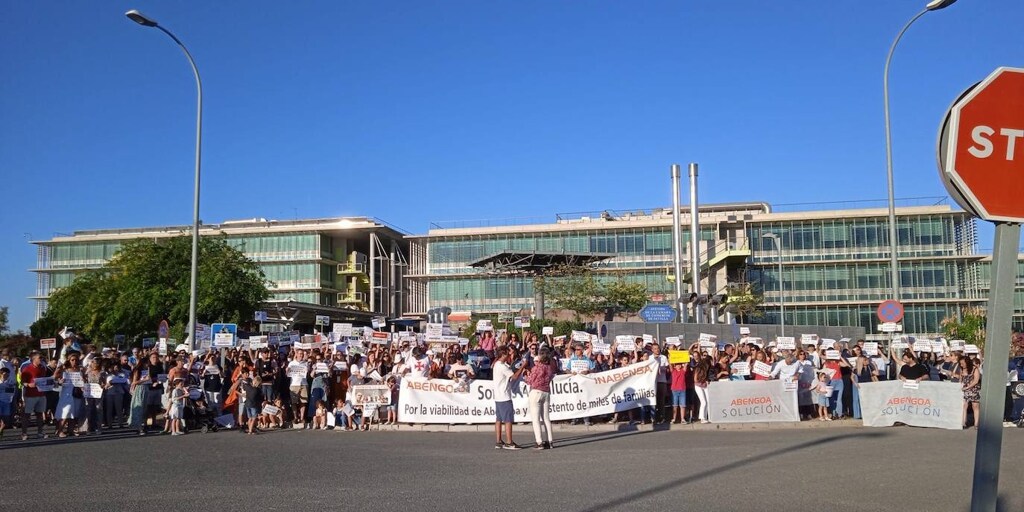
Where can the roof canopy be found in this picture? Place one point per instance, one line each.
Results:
(534, 262)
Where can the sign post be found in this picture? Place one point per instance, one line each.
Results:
(981, 162)
(658, 313)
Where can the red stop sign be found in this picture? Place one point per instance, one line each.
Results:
(981, 147)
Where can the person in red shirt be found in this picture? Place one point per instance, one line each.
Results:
(679, 392)
(35, 400)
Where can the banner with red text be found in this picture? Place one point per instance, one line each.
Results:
(926, 404)
(747, 401)
(572, 396)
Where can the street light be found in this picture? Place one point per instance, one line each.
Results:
(141, 19)
(933, 5)
(782, 305)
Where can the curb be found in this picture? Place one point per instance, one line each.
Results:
(624, 427)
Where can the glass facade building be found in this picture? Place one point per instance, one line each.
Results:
(345, 263)
(835, 263)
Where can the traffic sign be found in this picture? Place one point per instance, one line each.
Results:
(981, 147)
(890, 327)
(323, 320)
(658, 313)
(890, 311)
(260, 316)
(224, 335)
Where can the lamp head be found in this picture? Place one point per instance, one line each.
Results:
(935, 5)
(139, 18)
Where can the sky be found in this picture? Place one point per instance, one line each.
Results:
(420, 111)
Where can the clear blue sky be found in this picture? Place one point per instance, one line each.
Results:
(414, 111)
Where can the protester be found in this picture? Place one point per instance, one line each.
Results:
(970, 382)
(69, 376)
(34, 398)
(176, 408)
(678, 388)
(504, 411)
(702, 376)
(539, 380)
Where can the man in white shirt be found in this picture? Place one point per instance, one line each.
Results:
(504, 411)
(663, 394)
(418, 365)
(297, 371)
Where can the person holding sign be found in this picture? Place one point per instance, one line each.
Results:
(69, 375)
(678, 388)
(834, 364)
(34, 398)
(504, 411)
(94, 380)
(970, 383)
(539, 379)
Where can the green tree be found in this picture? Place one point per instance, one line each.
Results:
(573, 288)
(969, 326)
(627, 298)
(148, 281)
(745, 301)
(3, 320)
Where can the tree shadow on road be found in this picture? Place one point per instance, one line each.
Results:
(711, 472)
(14, 442)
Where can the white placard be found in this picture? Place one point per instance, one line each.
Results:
(707, 338)
(579, 365)
(271, 410)
(580, 336)
(790, 385)
(785, 343)
(258, 342)
(741, 368)
(827, 344)
(753, 340)
(303, 346)
(744, 330)
(673, 341)
(378, 321)
(212, 370)
(295, 369)
(625, 343)
(434, 331)
(938, 347)
(871, 348)
(548, 330)
(321, 368)
(833, 355)
(910, 384)
(971, 348)
(599, 347)
(223, 340)
(161, 347)
(342, 330)
(93, 390)
(762, 368)
(809, 339)
(484, 325)
(957, 344)
(648, 339)
(75, 379)
(44, 384)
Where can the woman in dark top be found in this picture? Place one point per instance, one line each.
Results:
(970, 382)
(912, 369)
(863, 372)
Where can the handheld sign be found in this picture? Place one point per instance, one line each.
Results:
(342, 330)
(971, 349)
(744, 330)
(579, 365)
(580, 336)
(549, 330)
(648, 339)
(601, 348)
(678, 356)
(809, 339)
(484, 325)
(48, 343)
(673, 341)
(871, 348)
(785, 343)
(762, 368)
(270, 410)
(833, 355)
(741, 368)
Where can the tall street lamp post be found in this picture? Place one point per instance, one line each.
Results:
(139, 18)
(782, 305)
(933, 5)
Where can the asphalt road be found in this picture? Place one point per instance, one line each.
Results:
(859, 469)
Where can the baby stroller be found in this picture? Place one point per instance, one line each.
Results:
(197, 414)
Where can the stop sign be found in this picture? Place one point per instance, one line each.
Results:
(981, 147)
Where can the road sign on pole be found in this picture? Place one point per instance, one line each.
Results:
(981, 161)
(658, 313)
(890, 311)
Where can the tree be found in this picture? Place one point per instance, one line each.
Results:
(3, 319)
(969, 326)
(573, 288)
(148, 281)
(627, 298)
(745, 300)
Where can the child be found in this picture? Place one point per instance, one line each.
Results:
(178, 395)
(320, 416)
(821, 393)
(679, 393)
(6, 400)
(344, 415)
(392, 408)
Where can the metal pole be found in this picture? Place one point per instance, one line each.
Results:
(993, 385)
(782, 301)
(677, 240)
(194, 273)
(373, 274)
(893, 257)
(695, 243)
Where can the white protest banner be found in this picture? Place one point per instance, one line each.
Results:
(93, 390)
(342, 330)
(296, 369)
(741, 368)
(707, 340)
(809, 339)
(785, 343)
(484, 325)
(212, 370)
(579, 365)
(271, 410)
(601, 348)
(48, 343)
(434, 331)
(572, 396)
(673, 341)
(648, 339)
(371, 394)
(258, 342)
(932, 404)
(762, 368)
(746, 401)
(625, 343)
(580, 336)
(971, 349)
(549, 330)
(833, 355)
(871, 348)
(744, 330)
(957, 344)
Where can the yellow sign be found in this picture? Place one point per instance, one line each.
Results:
(678, 356)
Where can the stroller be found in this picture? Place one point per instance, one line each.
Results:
(197, 414)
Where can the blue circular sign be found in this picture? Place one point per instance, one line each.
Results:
(890, 311)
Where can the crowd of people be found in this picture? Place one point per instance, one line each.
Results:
(84, 389)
